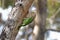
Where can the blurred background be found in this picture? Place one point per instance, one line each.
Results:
(52, 20)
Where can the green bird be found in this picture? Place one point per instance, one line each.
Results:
(26, 21)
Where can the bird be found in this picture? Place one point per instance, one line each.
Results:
(26, 21)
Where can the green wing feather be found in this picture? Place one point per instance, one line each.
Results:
(26, 21)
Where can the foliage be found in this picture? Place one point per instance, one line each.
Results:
(0, 2)
(6, 3)
(52, 7)
(9, 2)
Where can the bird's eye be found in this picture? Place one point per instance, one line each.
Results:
(18, 0)
(20, 4)
(21, 0)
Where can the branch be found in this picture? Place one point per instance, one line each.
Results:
(56, 30)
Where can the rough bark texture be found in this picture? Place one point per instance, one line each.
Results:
(20, 19)
(40, 20)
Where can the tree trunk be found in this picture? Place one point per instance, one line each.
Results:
(24, 11)
(20, 13)
(40, 21)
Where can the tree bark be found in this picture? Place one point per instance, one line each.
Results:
(19, 21)
(40, 21)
